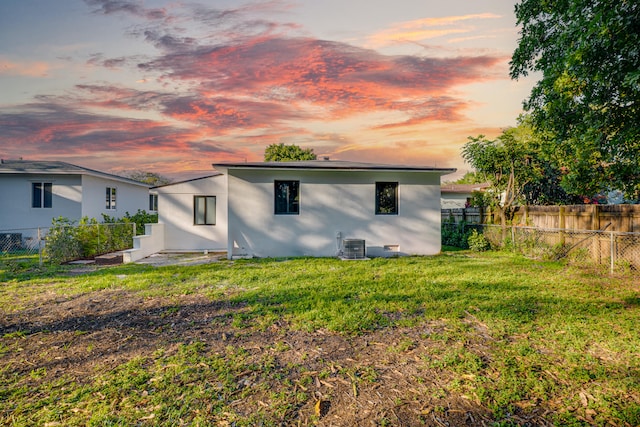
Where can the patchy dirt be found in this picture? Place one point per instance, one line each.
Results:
(379, 378)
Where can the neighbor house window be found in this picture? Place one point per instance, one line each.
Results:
(111, 198)
(41, 194)
(204, 210)
(386, 198)
(153, 202)
(287, 197)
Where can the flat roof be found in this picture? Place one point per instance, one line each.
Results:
(332, 165)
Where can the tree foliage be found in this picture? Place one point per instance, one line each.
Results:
(517, 166)
(471, 177)
(287, 153)
(150, 178)
(588, 98)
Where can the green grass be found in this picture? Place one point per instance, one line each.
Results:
(515, 333)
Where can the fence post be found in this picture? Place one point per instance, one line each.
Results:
(513, 237)
(612, 245)
(39, 248)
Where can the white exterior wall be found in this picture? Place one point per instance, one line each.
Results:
(129, 197)
(15, 200)
(454, 200)
(175, 211)
(332, 202)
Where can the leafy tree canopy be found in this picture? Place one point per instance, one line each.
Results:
(287, 153)
(471, 177)
(588, 98)
(517, 167)
(150, 178)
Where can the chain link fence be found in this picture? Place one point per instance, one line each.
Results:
(615, 250)
(63, 243)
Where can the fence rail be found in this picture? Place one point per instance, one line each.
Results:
(63, 243)
(617, 250)
(623, 218)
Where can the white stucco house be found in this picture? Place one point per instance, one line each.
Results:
(32, 193)
(458, 196)
(303, 208)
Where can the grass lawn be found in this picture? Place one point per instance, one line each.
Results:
(457, 339)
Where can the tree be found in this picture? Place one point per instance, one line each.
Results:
(150, 178)
(588, 99)
(517, 168)
(500, 161)
(287, 153)
(471, 177)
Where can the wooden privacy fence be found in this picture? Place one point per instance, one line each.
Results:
(599, 234)
(621, 218)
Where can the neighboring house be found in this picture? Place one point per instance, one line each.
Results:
(305, 208)
(458, 196)
(32, 193)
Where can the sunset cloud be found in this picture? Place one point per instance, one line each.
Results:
(24, 68)
(134, 8)
(225, 83)
(426, 28)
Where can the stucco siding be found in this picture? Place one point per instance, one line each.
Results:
(175, 211)
(16, 196)
(334, 205)
(129, 198)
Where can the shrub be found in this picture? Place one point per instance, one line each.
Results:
(477, 242)
(455, 234)
(62, 241)
(68, 241)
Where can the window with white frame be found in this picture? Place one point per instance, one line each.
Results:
(386, 198)
(111, 198)
(41, 194)
(204, 210)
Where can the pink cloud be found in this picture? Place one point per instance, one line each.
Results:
(24, 68)
(246, 83)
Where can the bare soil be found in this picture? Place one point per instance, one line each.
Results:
(118, 326)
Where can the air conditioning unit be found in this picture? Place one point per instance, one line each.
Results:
(353, 249)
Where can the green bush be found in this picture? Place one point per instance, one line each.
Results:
(477, 242)
(62, 242)
(455, 234)
(68, 241)
(140, 218)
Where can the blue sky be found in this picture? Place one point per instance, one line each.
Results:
(171, 86)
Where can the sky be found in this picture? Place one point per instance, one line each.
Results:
(171, 86)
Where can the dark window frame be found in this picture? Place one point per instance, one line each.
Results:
(41, 195)
(206, 217)
(286, 197)
(153, 202)
(387, 204)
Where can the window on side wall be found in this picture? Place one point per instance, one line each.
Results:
(111, 198)
(204, 210)
(287, 197)
(386, 198)
(41, 194)
(153, 202)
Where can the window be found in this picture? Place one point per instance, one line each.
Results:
(287, 197)
(204, 210)
(153, 202)
(111, 198)
(41, 194)
(386, 198)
